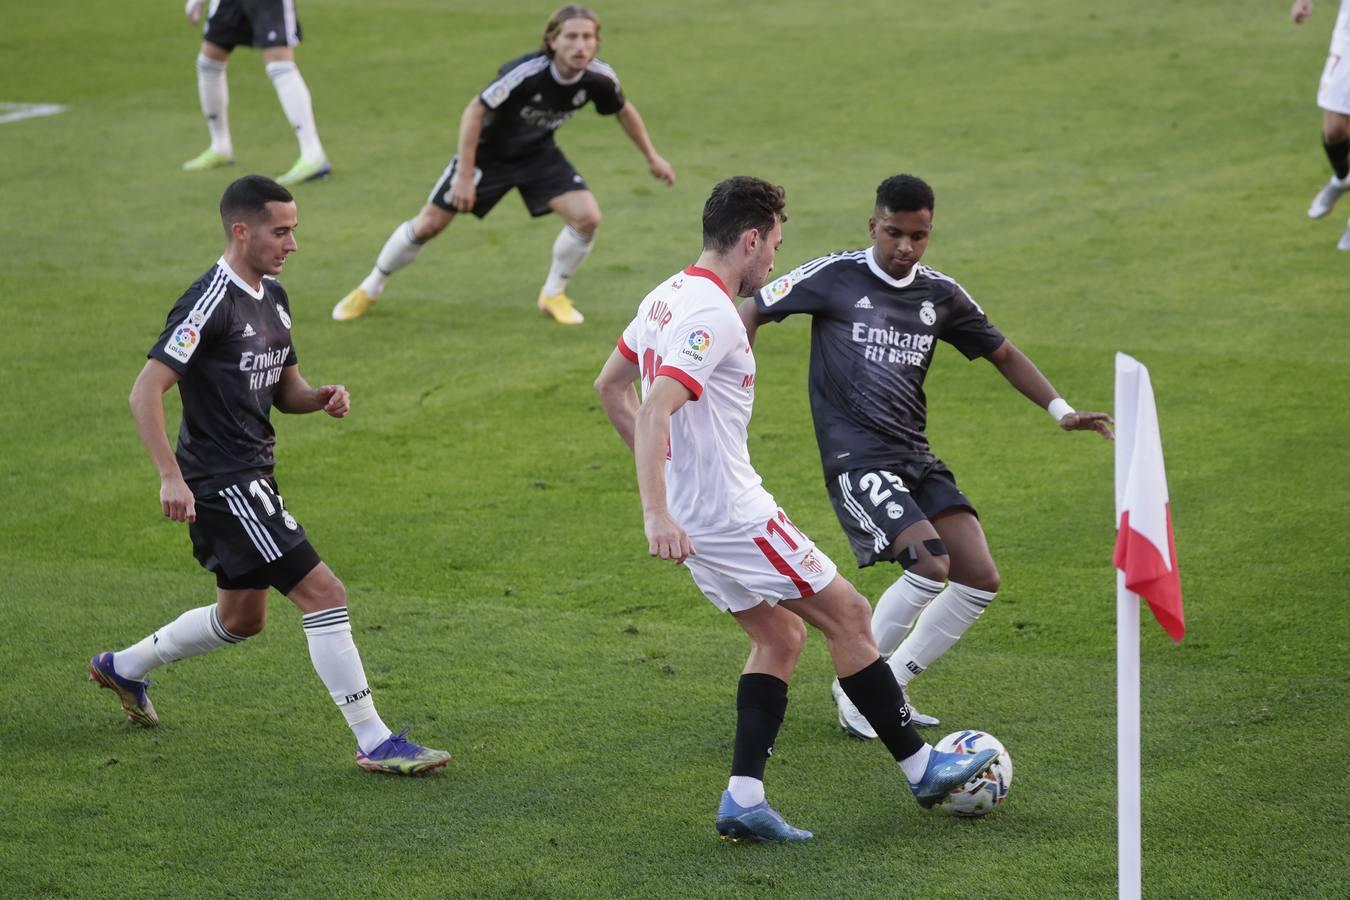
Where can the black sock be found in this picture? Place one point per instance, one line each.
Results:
(878, 697)
(761, 701)
(1339, 154)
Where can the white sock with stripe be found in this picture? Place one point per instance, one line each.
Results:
(295, 102)
(195, 632)
(942, 624)
(335, 658)
(898, 607)
(214, 91)
(398, 253)
(570, 250)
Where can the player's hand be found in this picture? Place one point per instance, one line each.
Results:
(1300, 11)
(463, 192)
(1089, 421)
(193, 10)
(334, 400)
(175, 499)
(661, 170)
(666, 539)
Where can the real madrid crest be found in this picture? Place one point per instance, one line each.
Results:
(285, 317)
(927, 314)
(580, 97)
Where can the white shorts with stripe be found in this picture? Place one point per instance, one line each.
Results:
(1333, 93)
(741, 568)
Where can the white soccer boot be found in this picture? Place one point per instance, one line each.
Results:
(1326, 198)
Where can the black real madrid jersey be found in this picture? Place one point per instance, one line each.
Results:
(529, 101)
(872, 341)
(229, 344)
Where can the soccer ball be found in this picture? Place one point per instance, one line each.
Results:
(978, 796)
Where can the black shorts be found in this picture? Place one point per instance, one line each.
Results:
(256, 23)
(540, 179)
(874, 504)
(247, 537)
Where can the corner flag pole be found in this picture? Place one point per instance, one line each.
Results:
(1127, 741)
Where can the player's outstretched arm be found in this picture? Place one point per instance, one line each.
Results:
(295, 396)
(651, 438)
(750, 318)
(1300, 11)
(614, 384)
(1022, 374)
(636, 130)
(147, 408)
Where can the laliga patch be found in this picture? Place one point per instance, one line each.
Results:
(496, 94)
(182, 343)
(285, 317)
(697, 344)
(778, 290)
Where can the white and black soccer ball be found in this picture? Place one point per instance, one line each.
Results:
(979, 796)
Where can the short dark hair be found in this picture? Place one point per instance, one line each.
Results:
(561, 15)
(904, 193)
(737, 205)
(247, 198)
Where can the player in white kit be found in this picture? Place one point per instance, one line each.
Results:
(705, 507)
(1333, 96)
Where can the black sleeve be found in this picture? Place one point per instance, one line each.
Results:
(192, 322)
(607, 95)
(806, 289)
(968, 329)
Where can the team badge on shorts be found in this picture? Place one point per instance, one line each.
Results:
(927, 314)
(894, 510)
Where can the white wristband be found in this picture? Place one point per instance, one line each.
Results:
(1059, 408)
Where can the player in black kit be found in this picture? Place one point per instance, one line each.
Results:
(506, 141)
(876, 317)
(227, 345)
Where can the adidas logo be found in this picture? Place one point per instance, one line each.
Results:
(248, 330)
(864, 303)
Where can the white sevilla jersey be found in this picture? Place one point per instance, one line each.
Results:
(688, 329)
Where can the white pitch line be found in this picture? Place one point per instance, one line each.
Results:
(14, 112)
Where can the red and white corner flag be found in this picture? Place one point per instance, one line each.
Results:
(1146, 557)
(1145, 548)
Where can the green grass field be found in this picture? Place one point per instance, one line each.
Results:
(1109, 178)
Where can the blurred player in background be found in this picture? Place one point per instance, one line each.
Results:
(506, 141)
(876, 317)
(705, 506)
(1333, 96)
(227, 346)
(271, 26)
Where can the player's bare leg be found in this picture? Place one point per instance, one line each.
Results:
(844, 616)
(398, 252)
(570, 249)
(296, 103)
(322, 598)
(973, 582)
(776, 639)
(1336, 143)
(214, 92)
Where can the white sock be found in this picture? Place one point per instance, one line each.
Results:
(294, 96)
(898, 607)
(569, 252)
(398, 253)
(746, 791)
(942, 624)
(195, 632)
(214, 92)
(914, 766)
(335, 658)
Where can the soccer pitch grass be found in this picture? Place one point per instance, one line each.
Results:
(1128, 178)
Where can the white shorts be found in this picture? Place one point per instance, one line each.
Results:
(1333, 94)
(740, 569)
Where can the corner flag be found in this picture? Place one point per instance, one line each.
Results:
(1145, 549)
(1146, 556)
